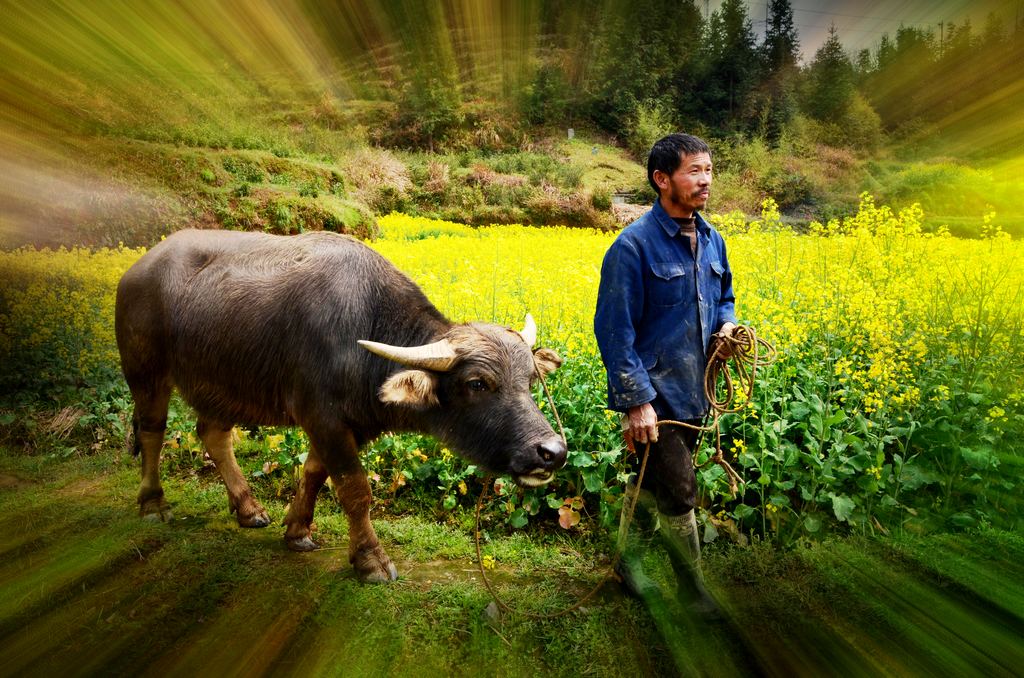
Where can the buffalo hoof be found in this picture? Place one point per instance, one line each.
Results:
(301, 544)
(259, 519)
(156, 511)
(374, 567)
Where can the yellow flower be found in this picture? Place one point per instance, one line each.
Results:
(489, 562)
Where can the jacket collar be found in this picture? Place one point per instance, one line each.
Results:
(670, 227)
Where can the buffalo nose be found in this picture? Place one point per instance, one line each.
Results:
(553, 453)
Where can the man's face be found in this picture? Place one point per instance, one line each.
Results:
(687, 189)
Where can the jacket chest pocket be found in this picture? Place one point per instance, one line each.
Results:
(714, 281)
(668, 284)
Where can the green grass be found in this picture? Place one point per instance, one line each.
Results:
(87, 587)
(605, 167)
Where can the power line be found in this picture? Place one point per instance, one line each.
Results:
(859, 30)
(901, 22)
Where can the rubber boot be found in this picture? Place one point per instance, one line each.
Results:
(683, 546)
(634, 540)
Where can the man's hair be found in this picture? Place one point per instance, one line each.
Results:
(668, 153)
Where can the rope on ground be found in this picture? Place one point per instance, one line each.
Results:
(744, 349)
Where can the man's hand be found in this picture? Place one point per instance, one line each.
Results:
(643, 424)
(725, 352)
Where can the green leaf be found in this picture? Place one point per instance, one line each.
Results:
(913, 476)
(963, 520)
(798, 411)
(449, 502)
(710, 533)
(980, 458)
(868, 484)
(581, 459)
(836, 418)
(518, 518)
(765, 479)
(843, 507)
(812, 523)
(860, 461)
(743, 511)
(593, 480)
(424, 471)
(532, 505)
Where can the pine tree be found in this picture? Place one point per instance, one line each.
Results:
(637, 53)
(779, 53)
(729, 68)
(864, 66)
(831, 80)
(781, 48)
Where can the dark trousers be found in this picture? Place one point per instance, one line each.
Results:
(670, 475)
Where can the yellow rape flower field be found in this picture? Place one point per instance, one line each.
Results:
(896, 401)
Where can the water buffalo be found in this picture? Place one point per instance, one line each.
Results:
(319, 331)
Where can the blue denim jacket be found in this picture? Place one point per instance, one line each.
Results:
(654, 322)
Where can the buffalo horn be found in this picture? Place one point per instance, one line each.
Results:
(529, 332)
(438, 356)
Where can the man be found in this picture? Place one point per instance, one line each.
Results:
(666, 289)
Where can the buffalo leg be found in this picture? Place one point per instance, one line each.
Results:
(365, 553)
(299, 520)
(217, 439)
(339, 454)
(149, 423)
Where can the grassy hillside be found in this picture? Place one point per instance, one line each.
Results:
(110, 188)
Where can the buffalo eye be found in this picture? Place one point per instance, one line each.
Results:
(477, 385)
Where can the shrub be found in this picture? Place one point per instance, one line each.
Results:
(429, 112)
(378, 178)
(649, 122)
(487, 215)
(243, 168)
(601, 199)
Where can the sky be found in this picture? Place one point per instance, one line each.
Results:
(861, 23)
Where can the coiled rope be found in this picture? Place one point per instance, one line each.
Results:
(747, 352)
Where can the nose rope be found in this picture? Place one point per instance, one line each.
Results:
(551, 402)
(743, 348)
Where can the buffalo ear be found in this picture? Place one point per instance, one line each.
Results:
(414, 388)
(547, 360)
